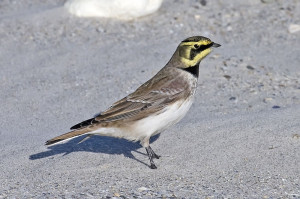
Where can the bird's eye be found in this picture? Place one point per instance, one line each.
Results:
(196, 46)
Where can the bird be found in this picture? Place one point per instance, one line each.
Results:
(154, 106)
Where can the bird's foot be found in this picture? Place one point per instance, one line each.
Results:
(152, 155)
(156, 156)
(153, 166)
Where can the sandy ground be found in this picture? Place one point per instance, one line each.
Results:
(241, 139)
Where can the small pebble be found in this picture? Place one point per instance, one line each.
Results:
(229, 28)
(101, 30)
(215, 56)
(268, 99)
(142, 189)
(203, 2)
(267, 1)
(250, 67)
(293, 28)
(197, 17)
(272, 147)
(227, 77)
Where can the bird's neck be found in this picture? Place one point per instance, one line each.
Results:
(176, 62)
(194, 70)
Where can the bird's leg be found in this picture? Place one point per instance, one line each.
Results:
(151, 155)
(150, 152)
(154, 154)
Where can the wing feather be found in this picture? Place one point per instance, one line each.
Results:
(152, 96)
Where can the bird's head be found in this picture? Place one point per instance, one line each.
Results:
(193, 49)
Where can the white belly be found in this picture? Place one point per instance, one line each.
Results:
(151, 125)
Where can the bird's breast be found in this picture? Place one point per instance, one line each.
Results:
(158, 122)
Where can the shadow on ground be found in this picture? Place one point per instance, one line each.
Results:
(96, 144)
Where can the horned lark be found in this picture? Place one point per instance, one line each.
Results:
(157, 104)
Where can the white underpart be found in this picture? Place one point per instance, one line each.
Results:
(170, 115)
(121, 9)
(150, 125)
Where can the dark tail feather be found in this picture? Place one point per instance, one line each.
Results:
(84, 124)
(66, 136)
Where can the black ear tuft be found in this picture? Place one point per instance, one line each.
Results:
(195, 39)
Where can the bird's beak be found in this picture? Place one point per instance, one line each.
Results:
(216, 45)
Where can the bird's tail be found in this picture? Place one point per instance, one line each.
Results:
(67, 136)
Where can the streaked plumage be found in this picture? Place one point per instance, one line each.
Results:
(155, 105)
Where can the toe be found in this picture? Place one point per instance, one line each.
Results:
(153, 166)
(157, 156)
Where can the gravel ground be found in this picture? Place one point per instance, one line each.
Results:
(241, 139)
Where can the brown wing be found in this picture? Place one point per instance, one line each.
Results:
(152, 96)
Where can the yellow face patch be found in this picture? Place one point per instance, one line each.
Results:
(192, 52)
